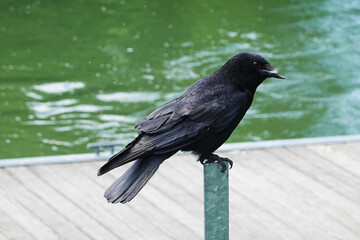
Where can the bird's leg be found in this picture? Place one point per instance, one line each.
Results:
(215, 158)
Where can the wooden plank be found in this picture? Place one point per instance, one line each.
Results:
(274, 222)
(339, 156)
(144, 222)
(281, 173)
(3, 236)
(180, 188)
(190, 183)
(76, 190)
(10, 228)
(27, 209)
(341, 208)
(92, 201)
(66, 218)
(351, 149)
(323, 164)
(150, 205)
(315, 208)
(174, 209)
(274, 200)
(276, 194)
(305, 162)
(314, 187)
(241, 223)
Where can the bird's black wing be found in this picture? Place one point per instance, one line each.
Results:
(181, 122)
(200, 106)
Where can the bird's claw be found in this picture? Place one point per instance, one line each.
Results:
(221, 161)
(231, 163)
(216, 158)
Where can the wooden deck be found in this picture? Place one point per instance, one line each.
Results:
(289, 193)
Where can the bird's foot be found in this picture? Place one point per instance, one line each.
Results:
(215, 158)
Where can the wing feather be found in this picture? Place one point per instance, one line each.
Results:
(183, 121)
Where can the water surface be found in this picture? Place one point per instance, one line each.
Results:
(74, 72)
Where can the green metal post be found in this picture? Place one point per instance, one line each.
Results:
(216, 194)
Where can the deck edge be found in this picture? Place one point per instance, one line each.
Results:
(88, 157)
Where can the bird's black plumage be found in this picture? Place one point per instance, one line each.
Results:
(200, 121)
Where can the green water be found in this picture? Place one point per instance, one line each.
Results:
(74, 72)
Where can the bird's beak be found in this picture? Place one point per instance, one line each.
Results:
(272, 72)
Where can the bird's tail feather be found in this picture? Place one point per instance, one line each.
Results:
(117, 160)
(128, 185)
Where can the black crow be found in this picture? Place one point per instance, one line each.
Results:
(200, 121)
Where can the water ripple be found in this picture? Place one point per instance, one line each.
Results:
(129, 97)
(117, 118)
(48, 109)
(59, 87)
(186, 67)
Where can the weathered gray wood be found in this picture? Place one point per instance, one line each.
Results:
(158, 208)
(190, 174)
(176, 187)
(306, 165)
(277, 202)
(176, 211)
(333, 170)
(270, 213)
(297, 198)
(3, 236)
(344, 157)
(89, 201)
(65, 217)
(341, 206)
(314, 189)
(10, 228)
(275, 194)
(351, 149)
(26, 208)
(116, 220)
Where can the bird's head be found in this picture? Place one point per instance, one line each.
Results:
(249, 70)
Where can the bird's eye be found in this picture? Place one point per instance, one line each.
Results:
(255, 64)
